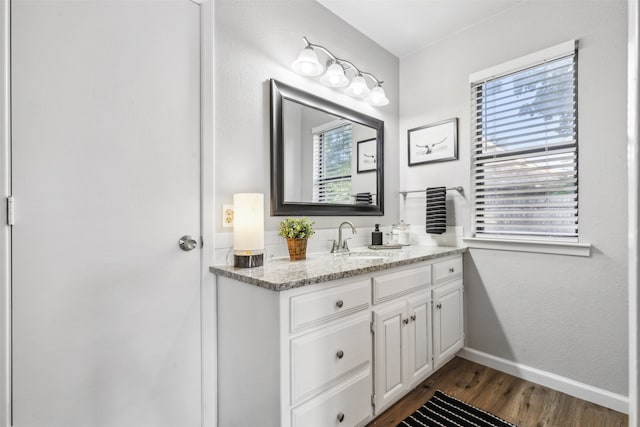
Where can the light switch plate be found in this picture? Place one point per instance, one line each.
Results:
(227, 216)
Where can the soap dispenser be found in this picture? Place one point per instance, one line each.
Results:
(376, 236)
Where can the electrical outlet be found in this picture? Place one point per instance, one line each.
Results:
(227, 216)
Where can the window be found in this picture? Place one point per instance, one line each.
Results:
(332, 148)
(524, 151)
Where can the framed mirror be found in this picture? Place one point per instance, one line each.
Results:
(326, 159)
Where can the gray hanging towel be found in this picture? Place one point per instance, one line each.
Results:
(436, 210)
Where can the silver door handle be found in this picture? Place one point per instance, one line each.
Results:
(187, 243)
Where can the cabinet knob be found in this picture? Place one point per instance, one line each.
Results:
(413, 317)
(439, 305)
(405, 321)
(339, 303)
(340, 354)
(340, 417)
(451, 270)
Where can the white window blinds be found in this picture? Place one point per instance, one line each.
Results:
(524, 152)
(332, 150)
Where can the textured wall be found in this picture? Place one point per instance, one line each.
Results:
(562, 314)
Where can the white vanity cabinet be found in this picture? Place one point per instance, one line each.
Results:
(448, 331)
(402, 333)
(309, 356)
(328, 365)
(417, 329)
(448, 310)
(300, 357)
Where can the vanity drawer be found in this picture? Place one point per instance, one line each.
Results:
(449, 269)
(328, 304)
(347, 405)
(390, 286)
(320, 359)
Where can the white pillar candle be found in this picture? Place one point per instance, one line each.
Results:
(248, 222)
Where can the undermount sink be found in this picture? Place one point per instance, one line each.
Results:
(365, 255)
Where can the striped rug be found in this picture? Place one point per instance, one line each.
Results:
(443, 410)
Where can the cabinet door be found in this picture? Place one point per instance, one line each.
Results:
(448, 328)
(420, 354)
(389, 353)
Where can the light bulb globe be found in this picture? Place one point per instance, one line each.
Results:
(307, 63)
(377, 97)
(358, 87)
(334, 77)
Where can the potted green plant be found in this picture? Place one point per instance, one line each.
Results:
(297, 231)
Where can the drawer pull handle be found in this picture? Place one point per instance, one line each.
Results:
(340, 354)
(405, 321)
(340, 417)
(451, 270)
(339, 303)
(413, 317)
(439, 306)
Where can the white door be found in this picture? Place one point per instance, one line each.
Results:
(106, 179)
(448, 329)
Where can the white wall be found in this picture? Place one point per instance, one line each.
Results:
(258, 40)
(561, 314)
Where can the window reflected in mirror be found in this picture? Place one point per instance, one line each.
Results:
(326, 159)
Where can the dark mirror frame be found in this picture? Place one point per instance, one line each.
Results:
(279, 207)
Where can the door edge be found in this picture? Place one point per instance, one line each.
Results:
(5, 233)
(208, 295)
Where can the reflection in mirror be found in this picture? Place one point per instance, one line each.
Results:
(326, 159)
(320, 157)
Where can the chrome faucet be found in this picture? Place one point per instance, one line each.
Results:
(341, 245)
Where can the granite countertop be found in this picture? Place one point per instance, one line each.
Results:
(280, 274)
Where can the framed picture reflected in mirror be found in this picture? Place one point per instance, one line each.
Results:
(367, 155)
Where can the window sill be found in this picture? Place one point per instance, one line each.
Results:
(556, 248)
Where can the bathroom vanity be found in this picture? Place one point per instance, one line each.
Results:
(336, 339)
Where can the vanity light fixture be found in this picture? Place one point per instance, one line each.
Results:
(248, 230)
(308, 64)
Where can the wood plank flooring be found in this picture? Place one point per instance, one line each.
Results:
(521, 402)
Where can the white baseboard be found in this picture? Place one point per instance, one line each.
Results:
(601, 397)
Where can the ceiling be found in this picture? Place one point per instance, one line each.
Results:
(404, 27)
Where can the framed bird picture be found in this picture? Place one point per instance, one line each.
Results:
(437, 142)
(367, 155)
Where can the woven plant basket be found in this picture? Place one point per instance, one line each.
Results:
(297, 249)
